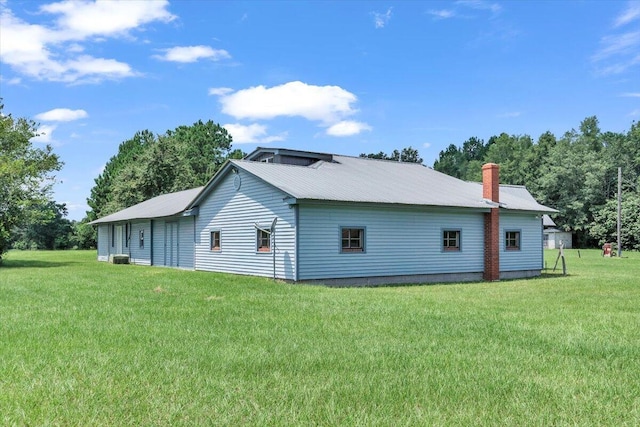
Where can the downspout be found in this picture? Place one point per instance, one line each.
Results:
(542, 239)
(177, 244)
(296, 214)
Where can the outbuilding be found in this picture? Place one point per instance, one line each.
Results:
(554, 237)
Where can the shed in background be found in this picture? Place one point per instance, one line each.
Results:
(553, 236)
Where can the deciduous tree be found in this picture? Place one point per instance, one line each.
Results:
(26, 173)
(605, 223)
(45, 227)
(407, 155)
(148, 165)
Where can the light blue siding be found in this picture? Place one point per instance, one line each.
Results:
(234, 212)
(157, 244)
(186, 241)
(112, 240)
(529, 257)
(138, 255)
(173, 242)
(398, 241)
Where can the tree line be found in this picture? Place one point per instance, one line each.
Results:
(145, 166)
(149, 165)
(576, 174)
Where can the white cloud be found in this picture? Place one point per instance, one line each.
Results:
(87, 65)
(45, 134)
(481, 5)
(218, 91)
(327, 104)
(75, 47)
(12, 81)
(618, 44)
(252, 133)
(54, 52)
(629, 15)
(62, 115)
(460, 9)
(347, 128)
(21, 42)
(381, 19)
(442, 13)
(187, 54)
(631, 94)
(634, 113)
(618, 53)
(76, 206)
(426, 145)
(82, 19)
(618, 67)
(510, 114)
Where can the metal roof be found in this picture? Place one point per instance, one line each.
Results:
(547, 221)
(287, 152)
(345, 179)
(161, 206)
(355, 179)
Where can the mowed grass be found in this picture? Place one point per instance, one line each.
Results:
(89, 343)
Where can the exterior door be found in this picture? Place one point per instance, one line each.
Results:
(171, 244)
(118, 239)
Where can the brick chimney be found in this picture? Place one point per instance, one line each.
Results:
(491, 191)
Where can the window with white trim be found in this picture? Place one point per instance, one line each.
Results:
(263, 241)
(215, 240)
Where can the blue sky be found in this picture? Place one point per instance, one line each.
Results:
(346, 77)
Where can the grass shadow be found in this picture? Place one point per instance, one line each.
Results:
(553, 275)
(10, 264)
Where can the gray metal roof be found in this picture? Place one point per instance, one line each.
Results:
(547, 221)
(345, 179)
(161, 206)
(517, 197)
(355, 179)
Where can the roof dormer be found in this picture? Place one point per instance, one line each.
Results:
(287, 157)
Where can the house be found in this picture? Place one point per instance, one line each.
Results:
(553, 237)
(158, 231)
(325, 218)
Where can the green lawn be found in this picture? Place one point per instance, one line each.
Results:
(88, 343)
